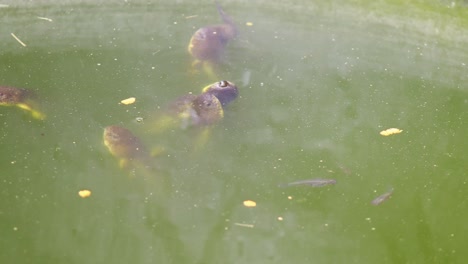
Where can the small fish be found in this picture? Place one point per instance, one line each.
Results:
(382, 198)
(311, 182)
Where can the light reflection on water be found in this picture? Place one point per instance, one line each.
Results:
(313, 99)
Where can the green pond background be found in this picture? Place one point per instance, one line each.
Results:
(318, 81)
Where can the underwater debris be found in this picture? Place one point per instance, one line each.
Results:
(17, 39)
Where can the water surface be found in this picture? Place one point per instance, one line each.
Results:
(318, 82)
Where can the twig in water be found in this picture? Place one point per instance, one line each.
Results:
(17, 39)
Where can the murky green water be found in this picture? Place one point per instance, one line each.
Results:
(318, 82)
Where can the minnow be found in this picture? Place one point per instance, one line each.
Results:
(311, 182)
(382, 198)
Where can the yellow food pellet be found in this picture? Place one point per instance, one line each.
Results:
(280, 218)
(249, 203)
(390, 131)
(84, 193)
(128, 101)
(249, 24)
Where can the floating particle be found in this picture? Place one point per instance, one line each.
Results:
(280, 218)
(390, 131)
(249, 203)
(128, 101)
(45, 18)
(84, 193)
(249, 24)
(244, 225)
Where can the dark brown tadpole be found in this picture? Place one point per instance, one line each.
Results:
(124, 145)
(190, 111)
(22, 98)
(201, 110)
(208, 43)
(225, 91)
(13, 96)
(196, 110)
(207, 108)
(204, 109)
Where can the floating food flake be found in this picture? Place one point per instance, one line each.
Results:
(280, 218)
(128, 101)
(249, 203)
(84, 193)
(249, 24)
(390, 131)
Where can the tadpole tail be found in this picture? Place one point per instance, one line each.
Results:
(226, 19)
